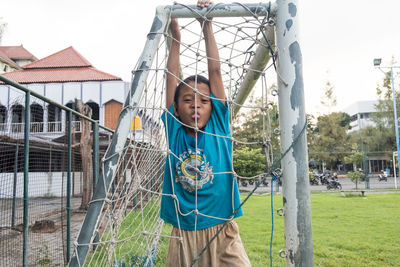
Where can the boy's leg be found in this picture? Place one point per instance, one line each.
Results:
(176, 255)
(226, 250)
(230, 247)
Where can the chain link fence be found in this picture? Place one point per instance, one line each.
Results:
(48, 166)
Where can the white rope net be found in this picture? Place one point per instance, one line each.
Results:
(129, 230)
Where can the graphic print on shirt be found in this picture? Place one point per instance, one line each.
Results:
(193, 169)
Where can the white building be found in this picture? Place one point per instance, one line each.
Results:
(14, 57)
(360, 114)
(360, 117)
(61, 77)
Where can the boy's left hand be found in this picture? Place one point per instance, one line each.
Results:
(204, 3)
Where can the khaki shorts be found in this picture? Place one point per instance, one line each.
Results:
(225, 250)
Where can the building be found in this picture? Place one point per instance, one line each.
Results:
(61, 77)
(14, 57)
(360, 117)
(360, 114)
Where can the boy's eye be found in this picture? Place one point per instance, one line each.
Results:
(205, 100)
(187, 100)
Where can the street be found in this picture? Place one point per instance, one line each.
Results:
(346, 183)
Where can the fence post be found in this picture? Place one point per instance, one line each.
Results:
(69, 125)
(96, 156)
(26, 178)
(15, 185)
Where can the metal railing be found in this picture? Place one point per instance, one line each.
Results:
(41, 183)
(39, 127)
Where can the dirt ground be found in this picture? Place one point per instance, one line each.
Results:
(47, 232)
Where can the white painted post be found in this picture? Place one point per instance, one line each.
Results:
(394, 169)
(292, 118)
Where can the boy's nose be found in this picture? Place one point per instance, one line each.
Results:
(196, 103)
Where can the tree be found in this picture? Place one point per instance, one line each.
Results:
(329, 100)
(356, 158)
(86, 154)
(3, 27)
(383, 134)
(330, 141)
(251, 126)
(249, 162)
(255, 126)
(355, 177)
(328, 138)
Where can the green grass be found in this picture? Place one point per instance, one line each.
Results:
(133, 251)
(347, 231)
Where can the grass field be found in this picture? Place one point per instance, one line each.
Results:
(347, 231)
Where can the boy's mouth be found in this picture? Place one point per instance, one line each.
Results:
(196, 116)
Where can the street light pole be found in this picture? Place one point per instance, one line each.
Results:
(377, 63)
(396, 122)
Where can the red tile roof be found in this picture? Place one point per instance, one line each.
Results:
(17, 52)
(59, 75)
(64, 66)
(68, 57)
(4, 57)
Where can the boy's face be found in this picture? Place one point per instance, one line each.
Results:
(191, 109)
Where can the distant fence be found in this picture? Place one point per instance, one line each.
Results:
(42, 178)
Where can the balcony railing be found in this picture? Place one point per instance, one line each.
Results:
(54, 126)
(39, 127)
(36, 127)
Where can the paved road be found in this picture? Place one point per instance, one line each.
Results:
(346, 183)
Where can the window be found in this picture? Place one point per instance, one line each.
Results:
(95, 109)
(3, 117)
(17, 118)
(36, 118)
(3, 114)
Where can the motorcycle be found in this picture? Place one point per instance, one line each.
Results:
(324, 178)
(314, 180)
(334, 184)
(383, 176)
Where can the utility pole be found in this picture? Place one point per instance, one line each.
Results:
(377, 64)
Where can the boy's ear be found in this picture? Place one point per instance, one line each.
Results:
(175, 110)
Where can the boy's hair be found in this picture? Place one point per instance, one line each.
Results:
(200, 79)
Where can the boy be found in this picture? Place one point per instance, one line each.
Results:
(199, 190)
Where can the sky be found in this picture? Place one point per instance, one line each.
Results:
(339, 39)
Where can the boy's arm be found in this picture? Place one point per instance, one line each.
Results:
(214, 65)
(173, 62)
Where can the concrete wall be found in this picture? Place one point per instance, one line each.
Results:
(41, 184)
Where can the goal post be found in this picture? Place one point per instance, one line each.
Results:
(293, 123)
(118, 142)
(126, 158)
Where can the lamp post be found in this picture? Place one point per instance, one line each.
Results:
(377, 64)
